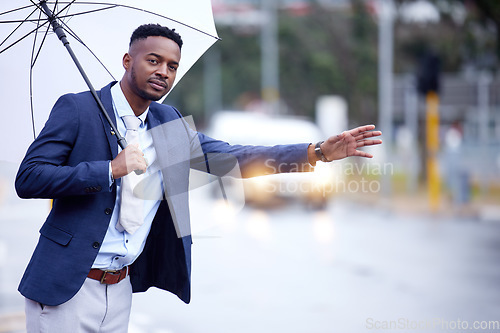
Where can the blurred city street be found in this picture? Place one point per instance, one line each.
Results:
(406, 241)
(348, 268)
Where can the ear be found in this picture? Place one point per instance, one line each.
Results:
(126, 61)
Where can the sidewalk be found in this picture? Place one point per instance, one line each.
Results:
(483, 208)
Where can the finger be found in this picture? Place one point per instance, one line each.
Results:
(134, 160)
(362, 154)
(366, 135)
(370, 134)
(360, 129)
(134, 150)
(364, 143)
(140, 167)
(141, 161)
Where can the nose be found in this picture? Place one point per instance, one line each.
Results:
(162, 70)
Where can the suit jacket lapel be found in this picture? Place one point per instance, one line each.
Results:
(159, 137)
(105, 95)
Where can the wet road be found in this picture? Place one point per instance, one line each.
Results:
(348, 268)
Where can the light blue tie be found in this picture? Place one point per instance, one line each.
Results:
(131, 208)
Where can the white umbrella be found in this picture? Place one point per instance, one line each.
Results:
(33, 62)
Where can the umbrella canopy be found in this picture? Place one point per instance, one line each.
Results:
(36, 69)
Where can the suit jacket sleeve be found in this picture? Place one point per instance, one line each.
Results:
(50, 169)
(218, 157)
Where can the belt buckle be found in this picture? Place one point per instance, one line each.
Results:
(106, 273)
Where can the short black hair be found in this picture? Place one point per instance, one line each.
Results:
(146, 30)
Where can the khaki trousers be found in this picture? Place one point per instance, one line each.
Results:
(96, 308)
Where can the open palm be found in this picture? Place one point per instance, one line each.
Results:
(347, 143)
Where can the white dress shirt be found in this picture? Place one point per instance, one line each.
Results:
(120, 249)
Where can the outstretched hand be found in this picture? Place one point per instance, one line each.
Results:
(347, 143)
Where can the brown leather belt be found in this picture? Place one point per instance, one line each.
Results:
(108, 276)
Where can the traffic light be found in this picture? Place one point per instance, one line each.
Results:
(428, 73)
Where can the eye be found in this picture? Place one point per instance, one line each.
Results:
(172, 68)
(153, 61)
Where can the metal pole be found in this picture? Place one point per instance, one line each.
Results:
(212, 86)
(212, 82)
(270, 55)
(483, 86)
(62, 37)
(385, 83)
(432, 142)
(411, 123)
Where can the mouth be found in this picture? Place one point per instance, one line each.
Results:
(158, 84)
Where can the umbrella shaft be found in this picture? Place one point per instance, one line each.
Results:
(59, 31)
(53, 21)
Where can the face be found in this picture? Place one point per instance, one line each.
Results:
(151, 66)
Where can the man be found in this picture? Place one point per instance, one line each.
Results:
(92, 254)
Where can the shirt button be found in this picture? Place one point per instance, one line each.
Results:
(108, 211)
(96, 245)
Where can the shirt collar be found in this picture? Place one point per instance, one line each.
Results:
(122, 107)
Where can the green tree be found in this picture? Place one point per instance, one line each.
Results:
(468, 33)
(328, 51)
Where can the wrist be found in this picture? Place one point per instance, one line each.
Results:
(111, 177)
(311, 155)
(319, 153)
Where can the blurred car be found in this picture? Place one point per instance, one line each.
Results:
(248, 128)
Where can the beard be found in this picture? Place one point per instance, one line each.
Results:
(142, 93)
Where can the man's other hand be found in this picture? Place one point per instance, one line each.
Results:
(129, 159)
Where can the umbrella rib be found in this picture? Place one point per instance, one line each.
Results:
(20, 24)
(32, 64)
(22, 21)
(68, 4)
(138, 9)
(41, 9)
(74, 35)
(20, 39)
(41, 45)
(64, 8)
(16, 9)
(111, 7)
(168, 18)
(31, 86)
(77, 38)
(171, 19)
(86, 12)
(34, 4)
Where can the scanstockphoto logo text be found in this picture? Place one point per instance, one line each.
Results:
(339, 177)
(406, 324)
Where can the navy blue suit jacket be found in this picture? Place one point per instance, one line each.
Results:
(69, 162)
